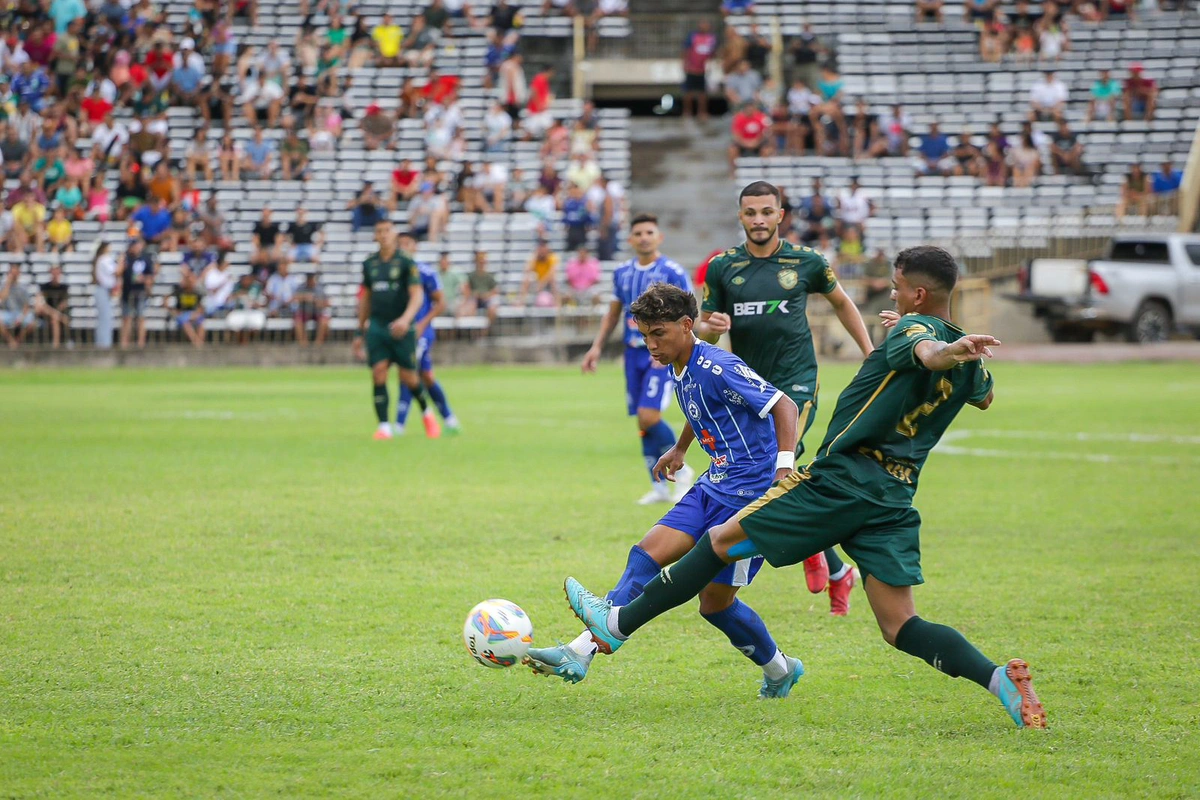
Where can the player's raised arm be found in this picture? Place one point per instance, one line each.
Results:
(941, 356)
(607, 324)
(852, 321)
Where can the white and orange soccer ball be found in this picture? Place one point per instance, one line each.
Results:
(497, 633)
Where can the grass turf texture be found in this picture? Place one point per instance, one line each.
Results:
(216, 583)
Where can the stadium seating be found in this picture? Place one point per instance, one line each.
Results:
(936, 73)
(336, 177)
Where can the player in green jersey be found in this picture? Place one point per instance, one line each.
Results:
(758, 293)
(391, 298)
(858, 491)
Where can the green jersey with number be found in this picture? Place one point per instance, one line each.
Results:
(895, 411)
(766, 299)
(390, 282)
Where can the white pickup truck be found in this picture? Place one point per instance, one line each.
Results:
(1144, 288)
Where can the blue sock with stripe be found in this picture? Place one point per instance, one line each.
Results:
(639, 568)
(746, 631)
(656, 440)
(439, 400)
(402, 405)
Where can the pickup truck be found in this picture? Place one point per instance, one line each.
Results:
(1145, 288)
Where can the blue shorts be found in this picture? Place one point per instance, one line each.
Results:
(194, 317)
(425, 352)
(647, 385)
(698, 511)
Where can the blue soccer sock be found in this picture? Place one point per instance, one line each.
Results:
(403, 404)
(639, 568)
(746, 631)
(656, 440)
(439, 399)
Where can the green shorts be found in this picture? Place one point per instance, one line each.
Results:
(382, 346)
(806, 513)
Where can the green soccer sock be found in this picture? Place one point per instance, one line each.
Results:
(834, 561)
(419, 395)
(381, 401)
(944, 649)
(674, 586)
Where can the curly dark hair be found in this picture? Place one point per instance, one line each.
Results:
(933, 262)
(663, 302)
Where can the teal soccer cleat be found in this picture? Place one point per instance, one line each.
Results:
(561, 661)
(592, 612)
(777, 690)
(1019, 699)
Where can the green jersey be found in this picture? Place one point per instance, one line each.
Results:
(766, 300)
(894, 412)
(390, 282)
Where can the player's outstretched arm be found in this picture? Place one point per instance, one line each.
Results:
(852, 321)
(941, 356)
(712, 324)
(592, 357)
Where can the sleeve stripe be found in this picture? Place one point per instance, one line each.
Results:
(770, 404)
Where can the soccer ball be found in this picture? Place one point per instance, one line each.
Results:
(497, 633)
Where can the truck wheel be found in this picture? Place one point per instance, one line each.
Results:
(1064, 334)
(1151, 323)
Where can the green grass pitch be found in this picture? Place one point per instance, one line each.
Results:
(214, 583)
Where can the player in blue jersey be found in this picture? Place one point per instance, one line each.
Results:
(647, 385)
(435, 303)
(738, 418)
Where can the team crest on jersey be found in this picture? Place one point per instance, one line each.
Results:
(788, 278)
(734, 397)
(738, 280)
(693, 410)
(751, 375)
(395, 273)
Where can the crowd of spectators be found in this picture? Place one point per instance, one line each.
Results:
(107, 72)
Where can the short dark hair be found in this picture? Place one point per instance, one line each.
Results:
(663, 302)
(761, 189)
(643, 217)
(932, 262)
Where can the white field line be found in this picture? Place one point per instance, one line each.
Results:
(1083, 436)
(949, 447)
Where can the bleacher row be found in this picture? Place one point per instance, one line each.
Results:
(335, 178)
(936, 73)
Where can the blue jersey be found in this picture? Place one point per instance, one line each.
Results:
(729, 408)
(631, 279)
(431, 282)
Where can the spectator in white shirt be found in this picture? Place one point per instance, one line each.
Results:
(1048, 97)
(281, 291)
(498, 129)
(854, 208)
(111, 137)
(104, 283)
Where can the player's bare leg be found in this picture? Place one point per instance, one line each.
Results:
(948, 651)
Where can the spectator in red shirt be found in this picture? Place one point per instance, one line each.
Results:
(1141, 95)
(702, 270)
(751, 133)
(439, 87)
(539, 119)
(95, 108)
(406, 182)
(698, 48)
(160, 62)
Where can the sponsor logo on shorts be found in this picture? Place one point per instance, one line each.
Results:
(761, 307)
(717, 477)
